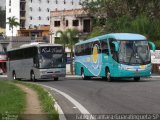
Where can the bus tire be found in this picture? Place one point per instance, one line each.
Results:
(136, 79)
(82, 74)
(56, 79)
(14, 76)
(108, 76)
(33, 77)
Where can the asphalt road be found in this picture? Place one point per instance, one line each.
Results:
(118, 97)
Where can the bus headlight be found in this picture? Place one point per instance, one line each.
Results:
(122, 67)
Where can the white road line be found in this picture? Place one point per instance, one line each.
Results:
(81, 108)
(58, 108)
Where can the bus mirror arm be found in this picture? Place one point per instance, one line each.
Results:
(153, 47)
(116, 46)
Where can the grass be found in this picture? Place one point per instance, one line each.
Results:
(12, 98)
(46, 100)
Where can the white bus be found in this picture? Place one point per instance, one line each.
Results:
(36, 61)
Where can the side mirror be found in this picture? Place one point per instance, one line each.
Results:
(116, 46)
(153, 47)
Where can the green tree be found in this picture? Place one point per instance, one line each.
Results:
(135, 16)
(12, 21)
(72, 39)
(63, 38)
(68, 38)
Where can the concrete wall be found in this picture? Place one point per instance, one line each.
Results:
(13, 10)
(35, 13)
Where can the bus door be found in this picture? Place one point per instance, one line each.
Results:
(113, 59)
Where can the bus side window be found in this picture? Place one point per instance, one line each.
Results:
(104, 45)
(87, 50)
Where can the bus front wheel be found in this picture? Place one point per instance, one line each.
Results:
(33, 77)
(83, 75)
(108, 75)
(14, 76)
(137, 79)
(56, 79)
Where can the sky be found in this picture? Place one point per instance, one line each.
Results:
(3, 3)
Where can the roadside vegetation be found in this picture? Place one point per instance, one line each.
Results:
(12, 99)
(46, 100)
(132, 16)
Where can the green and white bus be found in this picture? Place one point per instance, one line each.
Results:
(36, 61)
(115, 55)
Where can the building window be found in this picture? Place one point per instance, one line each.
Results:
(57, 23)
(31, 18)
(48, 18)
(66, 23)
(75, 22)
(30, 26)
(47, 1)
(31, 1)
(47, 9)
(39, 17)
(64, 1)
(39, 1)
(56, 1)
(30, 8)
(72, 2)
(80, 2)
(9, 10)
(39, 9)
(9, 2)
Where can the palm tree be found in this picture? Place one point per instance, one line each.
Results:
(12, 21)
(63, 38)
(72, 35)
(68, 38)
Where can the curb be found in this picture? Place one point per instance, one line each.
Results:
(155, 76)
(57, 107)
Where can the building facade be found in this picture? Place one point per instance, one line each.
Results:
(34, 13)
(69, 19)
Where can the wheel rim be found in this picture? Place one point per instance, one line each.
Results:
(82, 74)
(14, 76)
(33, 77)
(108, 75)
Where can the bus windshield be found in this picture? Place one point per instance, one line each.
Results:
(51, 57)
(134, 52)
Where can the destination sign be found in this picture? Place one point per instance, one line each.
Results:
(56, 49)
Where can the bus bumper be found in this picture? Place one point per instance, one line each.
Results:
(52, 73)
(130, 74)
(52, 76)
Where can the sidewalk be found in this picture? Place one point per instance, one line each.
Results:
(155, 75)
(79, 77)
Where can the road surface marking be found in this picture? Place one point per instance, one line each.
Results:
(81, 108)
